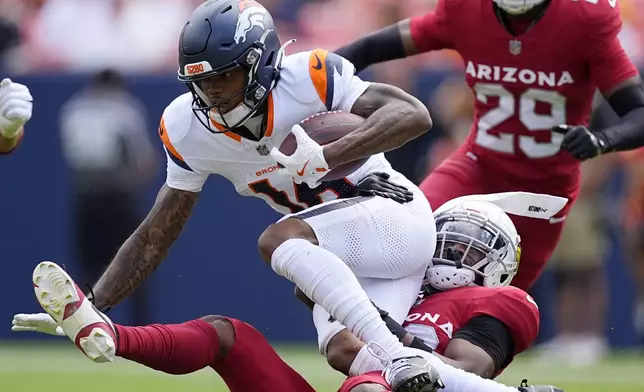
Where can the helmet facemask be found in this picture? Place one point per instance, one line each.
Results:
(252, 94)
(471, 250)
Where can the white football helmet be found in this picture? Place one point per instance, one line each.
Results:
(477, 244)
(517, 7)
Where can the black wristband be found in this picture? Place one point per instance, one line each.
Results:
(420, 344)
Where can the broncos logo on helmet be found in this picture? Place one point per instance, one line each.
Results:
(250, 17)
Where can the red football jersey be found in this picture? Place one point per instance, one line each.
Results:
(526, 85)
(437, 317)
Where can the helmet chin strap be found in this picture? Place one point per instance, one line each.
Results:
(281, 53)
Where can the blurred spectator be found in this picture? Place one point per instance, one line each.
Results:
(129, 35)
(632, 34)
(9, 40)
(107, 146)
(633, 228)
(454, 107)
(631, 218)
(580, 282)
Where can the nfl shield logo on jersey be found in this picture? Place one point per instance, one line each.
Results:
(515, 47)
(263, 150)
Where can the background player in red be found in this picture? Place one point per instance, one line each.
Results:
(15, 111)
(529, 80)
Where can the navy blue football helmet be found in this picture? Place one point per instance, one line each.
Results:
(223, 35)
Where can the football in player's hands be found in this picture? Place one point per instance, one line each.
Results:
(325, 128)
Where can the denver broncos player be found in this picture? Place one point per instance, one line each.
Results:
(245, 98)
(533, 66)
(15, 110)
(467, 313)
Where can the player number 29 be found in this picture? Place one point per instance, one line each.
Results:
(524, 107)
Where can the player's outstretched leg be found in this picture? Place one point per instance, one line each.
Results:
(237, 351)
(89, 329)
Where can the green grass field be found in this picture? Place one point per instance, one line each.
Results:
(29, 368)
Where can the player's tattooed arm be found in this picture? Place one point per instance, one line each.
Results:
(144, 251)
(393, 118)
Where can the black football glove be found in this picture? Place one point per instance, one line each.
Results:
(378, 184)
(537, 388)
(581, 142)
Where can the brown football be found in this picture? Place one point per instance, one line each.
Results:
(324, 128)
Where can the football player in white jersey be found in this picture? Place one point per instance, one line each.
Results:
(245, 98)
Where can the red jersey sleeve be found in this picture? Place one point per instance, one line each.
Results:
(514, 308)
(430, 31)
(609, 64)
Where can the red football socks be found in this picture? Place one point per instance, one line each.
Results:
(170, 348)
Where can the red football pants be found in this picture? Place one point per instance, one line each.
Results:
(461, 175)
(253, 365)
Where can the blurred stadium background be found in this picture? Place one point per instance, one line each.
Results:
(592, 310)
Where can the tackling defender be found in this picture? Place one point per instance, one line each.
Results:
(477, 235)
(533, 66)
(245, 98)
(467, 314)
(15, 110)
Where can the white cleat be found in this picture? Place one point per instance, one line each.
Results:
(91, 331)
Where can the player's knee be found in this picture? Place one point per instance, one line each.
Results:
(278, 233)
(225, 331)
(342, 350)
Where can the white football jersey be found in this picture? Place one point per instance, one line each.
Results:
(311, 82)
